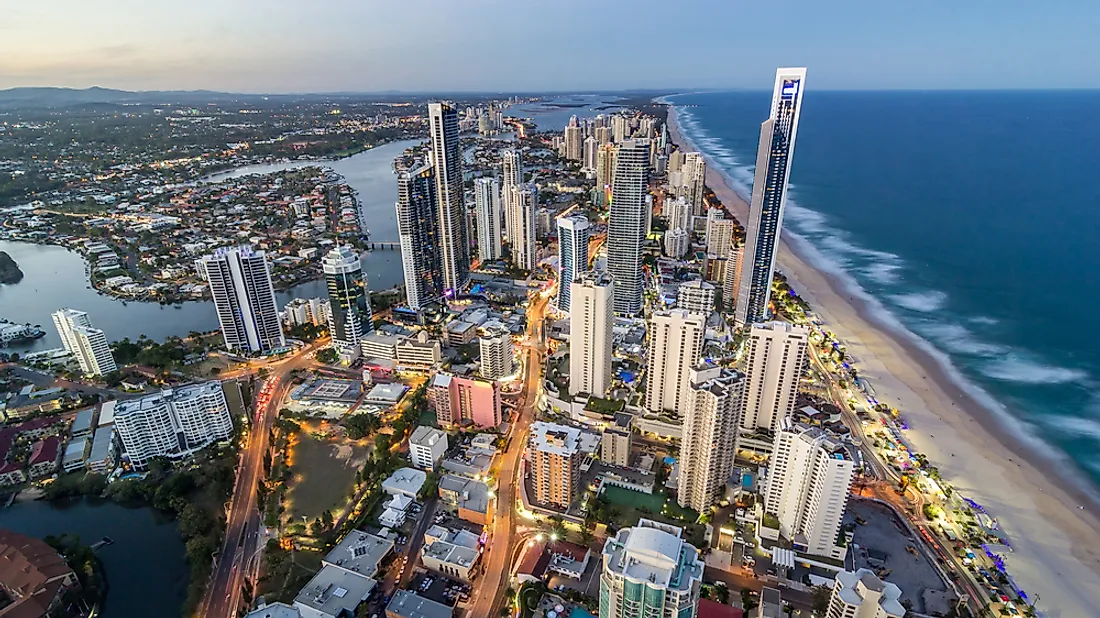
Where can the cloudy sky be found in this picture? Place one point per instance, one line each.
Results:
(497, 45)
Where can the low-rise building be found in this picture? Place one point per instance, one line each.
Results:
(406, 604)
(861, 594)
(33, 576)
(427, 446)
(473, 499)
(405, 481)
(360, 553)
(75, 453)
(274, 610)
(45, 457)
(460, 400)
(615, 444)
(333, 593)
(451, 552)
(103, 455)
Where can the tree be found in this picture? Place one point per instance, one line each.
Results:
(361, 425)
(821, 596)
(327, 356)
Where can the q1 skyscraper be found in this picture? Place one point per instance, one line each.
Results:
(769, 196)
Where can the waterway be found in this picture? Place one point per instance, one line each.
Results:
(146, 566)
(55, 277)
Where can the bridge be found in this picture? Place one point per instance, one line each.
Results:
(384, 245)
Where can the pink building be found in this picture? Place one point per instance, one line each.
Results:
(459, 400)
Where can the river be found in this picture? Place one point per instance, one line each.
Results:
(55, 277)
(146, 566)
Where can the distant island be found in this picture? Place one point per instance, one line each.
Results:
(9, 270)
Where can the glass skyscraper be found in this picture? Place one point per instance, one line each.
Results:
(627, 225)
(350, 317)
(418, 232)
(769, 196)
(454, 233)
(572, 255)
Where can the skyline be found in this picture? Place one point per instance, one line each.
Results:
(342, 46)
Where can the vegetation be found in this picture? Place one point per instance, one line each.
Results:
(82, 560)
(327, 355)
(9, 270)
(361, 425)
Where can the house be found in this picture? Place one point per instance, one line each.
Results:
(45, 457)
(33, 575)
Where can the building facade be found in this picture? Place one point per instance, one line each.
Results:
(572, 255)
(453, 230)
(350, 314)
(861, 594)
(650, 571)
(418, 233)
(173, 423)
(775, 358)
(87, 344)
(244, 297)
(627, 225)
(709, 439)
(463, 400)
(675, 345)
(696, 297)
(769, 196)
(591, 319)
(487, 207)
(524, 249)
(497, 357)
(554, 458)
(427, 446)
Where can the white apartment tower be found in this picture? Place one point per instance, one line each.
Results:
(591, 147)
(511, 176)
(173, 423)
(709, 439)
(675, 345)
(719, 233)
(732, 277)
(693, 174)
(453, 229)
(572, 255)
(769, 197)
(574, 140)
(487, 207)
(809, 476)
(775, 357)
(677, 243)
(524, 249)
(650, 571)
(591, 318)
(696, 297)
(88, 345)
(497, 359)
(677, 212)
(244, 297)
(627, 225)
(861, 594)
(427, 446)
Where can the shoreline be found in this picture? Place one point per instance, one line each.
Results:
(1056, 546)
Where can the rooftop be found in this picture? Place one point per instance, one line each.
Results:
(854, 587)
(655, 553)
(334, 590)
(427, 436)
(275, 610)
(555, 439)
(359, 552)
(406, 604)
(405, 480)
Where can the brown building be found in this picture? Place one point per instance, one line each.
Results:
(555, 459)
(33, 576)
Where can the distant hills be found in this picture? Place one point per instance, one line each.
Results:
(32, 97)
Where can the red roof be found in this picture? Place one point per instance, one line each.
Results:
(534, 561)
(565, 548)
(713, 609)
(45, 450)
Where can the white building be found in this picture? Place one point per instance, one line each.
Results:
(677, 243)
(573, 143)
(732, 278)
(427, 446)
(650, 570)
(693, 175)
(696, 297)
(719, 233)
(677, 212)
(590, 147)
(709, 439)
(675, 344)
(572, 255)
(524, 253)
(87, 344)
(807, 487)
(775, 357)
(451, 552)
(173, 423)
(627, 225)
(307, 311)
(591, 318)
(497, 358)
(489, 224)
(861, 594)
(511, 176)
(244, 297)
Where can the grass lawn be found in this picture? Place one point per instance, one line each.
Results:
(634, 499)
(633, 505)
(286, 573)
(323, 472)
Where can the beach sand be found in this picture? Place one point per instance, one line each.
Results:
(1056, 545)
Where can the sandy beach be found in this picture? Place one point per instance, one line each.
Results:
(1056, 544)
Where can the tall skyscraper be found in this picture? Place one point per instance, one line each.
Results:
(602, 135)
(675, 345)
(626, 225)
(807, 487)
(620, 128)
(719, 233)
(497, 359)
(524, 249)
(775, 358)
(572, 255)
(650, 571)
(454, 237)
(511, 176)
(693, 175)
(730, 284)
(350, 315)
(240, 284)
(590, 147)
(418, 232)
(677, 242)
(677, 212)
(574, 140)
(709, 436)
(554, 458)
(605, 171)
(769, 197)
(88, 345)
(487, 205)
(591, 319)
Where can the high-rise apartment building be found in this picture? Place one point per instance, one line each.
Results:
(605, 171)
(173, 423)
(769, 197)
(88, 345)
(524, 248)
(572, 255)
(487, 207)
(418, 232)
(554, 461)
(731, 281)
(453, 230)
(511, 176)
(696, 296)
(677, 242)
(675, 161)
(775, 358)
(602, 135)
(627, 225)
(497, 359)
(591, 318)
(809, 477)
(244, 297)
(620, 128)
(464, 400)
(675, 345)
(574, 139)
(719, 233)
(693, 175)
(650, 571)
(350, 314)
(590, 148)
(861, 594)
(677, 212)
(709, 439)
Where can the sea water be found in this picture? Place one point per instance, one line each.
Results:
(972, 217)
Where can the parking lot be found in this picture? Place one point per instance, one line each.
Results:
(439, 588)
(882, 545)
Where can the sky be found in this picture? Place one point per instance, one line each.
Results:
(274, 46)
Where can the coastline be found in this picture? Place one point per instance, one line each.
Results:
(1056, 545)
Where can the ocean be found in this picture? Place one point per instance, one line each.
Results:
(973, 218)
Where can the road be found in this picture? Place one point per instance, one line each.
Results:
(243, 523)
(489, 594)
